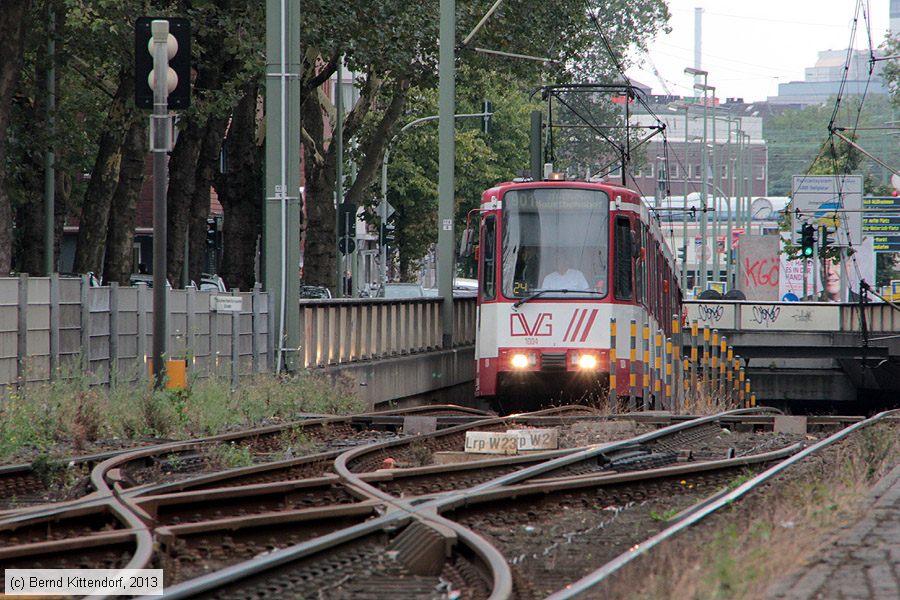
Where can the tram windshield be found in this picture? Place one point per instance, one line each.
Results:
(555, 241)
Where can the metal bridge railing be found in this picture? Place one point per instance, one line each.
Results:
(349, 330)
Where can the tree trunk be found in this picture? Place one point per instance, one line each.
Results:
(319, 251)
(118, 263)
(182, 183)
(239, 193)
(94, 218)
(13, 25)
(207, 165)
(28, 236)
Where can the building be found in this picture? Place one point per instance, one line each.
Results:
(735, 149)
(823, 80)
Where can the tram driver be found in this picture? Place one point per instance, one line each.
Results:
(564, 277)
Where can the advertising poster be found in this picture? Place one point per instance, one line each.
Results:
(829, 281)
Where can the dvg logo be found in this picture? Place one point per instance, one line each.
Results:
(542, 325)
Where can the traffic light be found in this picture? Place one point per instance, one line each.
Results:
(387, 233)
(487, 108)
(681, 253)
(178, 47)
(807, 240)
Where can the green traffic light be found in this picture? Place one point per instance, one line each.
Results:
(807, 251)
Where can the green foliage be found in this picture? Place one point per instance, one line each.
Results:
(481, 161)
(664, 516)
(798, 142)
(230, 456)
(71, 414)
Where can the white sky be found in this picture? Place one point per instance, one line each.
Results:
(750, 46)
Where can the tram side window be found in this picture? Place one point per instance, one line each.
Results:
(640, 273)
(623, 287)
(488, 259)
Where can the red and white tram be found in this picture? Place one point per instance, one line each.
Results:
(557, 260)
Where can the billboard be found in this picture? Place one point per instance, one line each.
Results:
(761, 267)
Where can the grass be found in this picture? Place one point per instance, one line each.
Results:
(742, 550)
(230, 456)
(72, 415)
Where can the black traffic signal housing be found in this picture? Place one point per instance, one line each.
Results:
(180, 29)
(807, 241)
(487, 109)
(387, 234)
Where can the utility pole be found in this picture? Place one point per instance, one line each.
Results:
(446, 166)
(715, 195)
(697, 73)
(282, 180)
(339, 178)
(684, 231)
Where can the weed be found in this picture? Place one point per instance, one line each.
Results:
(665, 516)
(740, 551)
(61, 478)
(293, 441)
(230, 456)
(74, 410)
(419, 454)
(740, 480)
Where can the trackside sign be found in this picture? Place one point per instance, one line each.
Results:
(512, 441)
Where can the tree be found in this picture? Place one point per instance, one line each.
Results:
(795, 138)
(228, 47)
(13, 25)
(481, 160)
(397, 56)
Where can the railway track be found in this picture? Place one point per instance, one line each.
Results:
(23, 486)
(288, 563)
(328, 517)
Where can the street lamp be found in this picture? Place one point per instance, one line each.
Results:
(698, 73)
(684, 190)
(711, 90)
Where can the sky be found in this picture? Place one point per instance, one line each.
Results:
(749, 47)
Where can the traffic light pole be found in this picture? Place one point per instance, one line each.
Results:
(161, 128)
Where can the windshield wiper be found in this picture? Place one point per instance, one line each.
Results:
(540, 293)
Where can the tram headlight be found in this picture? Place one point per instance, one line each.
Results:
(584, 361)
(587, 362)
(521, 360)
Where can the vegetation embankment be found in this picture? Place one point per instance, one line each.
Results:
(71, 416)
(740, 551)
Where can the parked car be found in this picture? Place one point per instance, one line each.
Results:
(463, 287)
(401, 290)
(314, 291)
(142, 279)
(212, 283)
